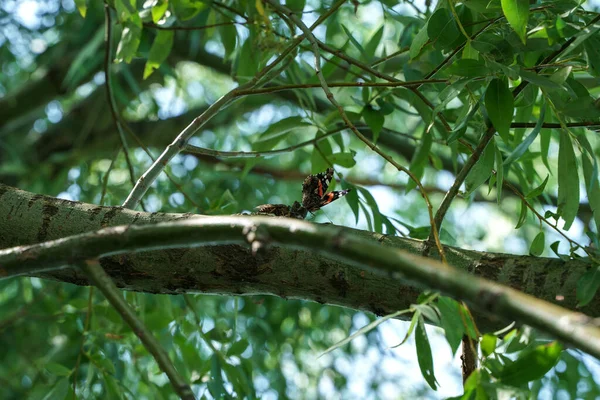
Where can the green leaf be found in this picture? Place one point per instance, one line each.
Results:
(229, 39)
(363, 330)
(345, 160)
(238, 347)
(375, 120)
(419, 161)
(159, 9)
(539, 80)
(488, 344)
(278, 131)
(411, 328)
(592, 49)
(531, 365)
(58, 369)
(499, 173)
(588, 285)
(187, 9)
(468, 67)
(538, 190)
(373, 43)
(112, 387)
(319, 158)
(377, 222)
(568, 181)
(452, 322)
(355, 42)
(590, 175)
(130, 40)
(522, 215)
(481, 170)
(215, 384)
(424, 354)
(469, 52)
(418, 42)
(59, 391)
(81, 7)
(499, 104)
(517, 13)
(442, 29)
(537, 246)
(524, 145)
(161, 47)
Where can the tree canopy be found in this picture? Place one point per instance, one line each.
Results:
(430, 175)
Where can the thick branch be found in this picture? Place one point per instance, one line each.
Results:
(330, 241)
(26, 218)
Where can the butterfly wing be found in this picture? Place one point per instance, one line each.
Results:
(333, 196)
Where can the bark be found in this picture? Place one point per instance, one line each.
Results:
(27, 218)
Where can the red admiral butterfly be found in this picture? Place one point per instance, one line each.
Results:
(314, 191)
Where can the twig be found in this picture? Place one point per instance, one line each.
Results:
(191, 28)
(100, 278)
(389, 57)
(86, 328)
(311, 38)
(180, 141)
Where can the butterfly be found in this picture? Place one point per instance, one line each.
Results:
(314, 191)
(283, 210)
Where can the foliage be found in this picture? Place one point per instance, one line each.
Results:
(427, 85)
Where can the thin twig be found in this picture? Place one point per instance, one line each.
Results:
(100, 278)
(191, 28)
(315, 45)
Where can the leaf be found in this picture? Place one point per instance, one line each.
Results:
(377, 222)
(187, 9)
(537, 246)
(592, 49)
(215, 384)
(130, 40)
(522, 215)
(538, 190)
(468, 67)
(568, 181)
(424, 353)
(531, 365)
(524, 145)
(517, 13)
(229, 39)
(442, 29)
(112, 387)
(488, 344)
(373, 43)
(411, 328)
(418, 42)
(277, 132)
(375, 121)
(81, 7)
(238, 347)
(587, 286)
(363, 330)
(59, 391)
(345, 160)
(481, 170)
(159, 9)
(539, 80)
(452, 323)
(419, 161)
(499, 104)
(58, 369)
(590, 175)
(355, 42)
(499, 173)
(161, 47)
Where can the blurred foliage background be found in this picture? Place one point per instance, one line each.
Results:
(170, 60)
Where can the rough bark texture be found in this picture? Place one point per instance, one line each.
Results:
(27, 218)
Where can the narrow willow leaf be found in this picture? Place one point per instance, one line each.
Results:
(531, 365)
(481, 170)
(418, 43)
(161, 47)
(468, 67)
(411, 328)
(159, 9)
(568, 181)
(81, 7)
(373, 43)
(375, 120)
(130, 40)
(524, 145)
(355, 42)
(363, 330)
(538, 190)
(588, 285)
(452, 323)
(488, 344)
(590, 174)
(424, 353)
(522, 216)
(499, 173)
(345, 160)
(499, 104)
(537, 246)
(442, 29)
(419, 161)
(377, 222)
(215, 383)
(517, 14)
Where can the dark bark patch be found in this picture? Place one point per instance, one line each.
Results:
(340, 283)
(33, 199)
(48, 212)
(108, 216)
(237, 262)
(3, 189)
(94, 212)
